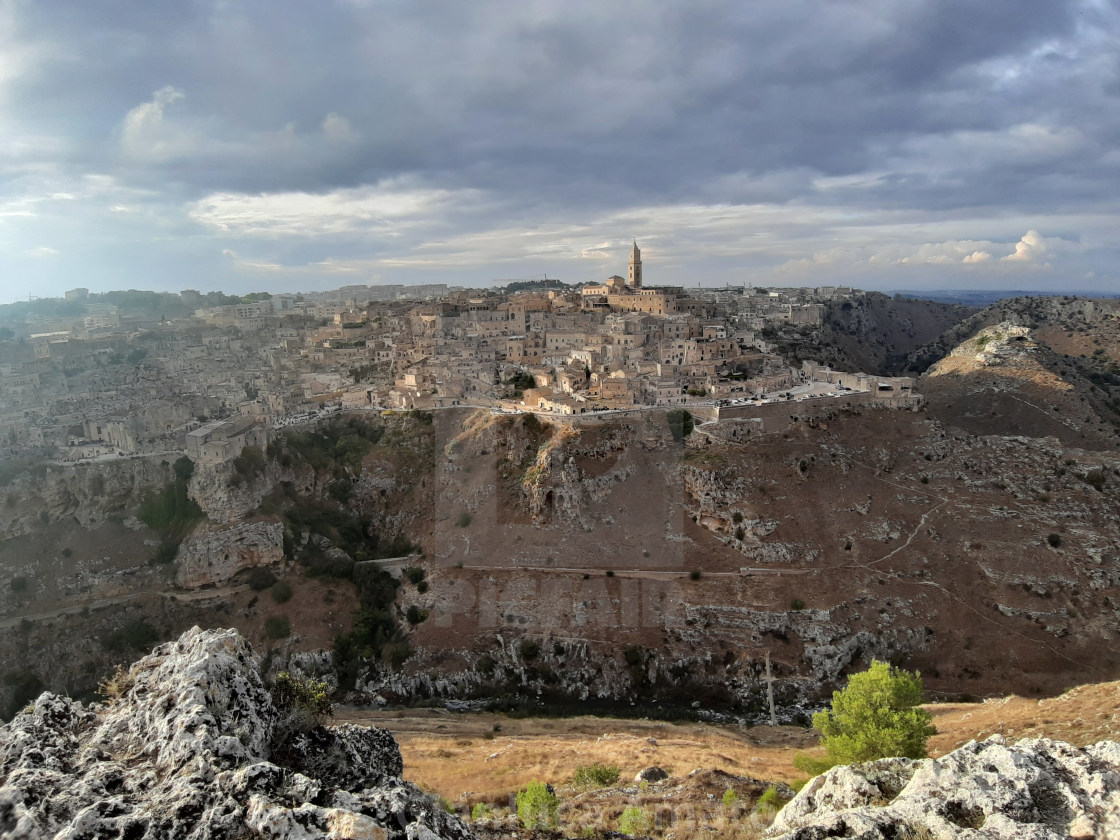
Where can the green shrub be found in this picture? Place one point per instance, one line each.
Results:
(290, 692)
(876, 716)
(19, 584)
(770, 800)
(277, 627)
(529, 650)
(464, 520)
(422, 587)
(480, 811)
(596, 775)
(797, 604)
(736, 517)
(414, 574)
(533, 424)
(537, 805)
(730, 798)
(486, 664)
(171, 512)
(281, 592)
(633, 655)
(634, 821)
(1054, 540)
(415, 615)
(250, 463)
(395, 654)
(680, 423)
(261, 578)
(341, 490)
(695, 574)
(165, 553)
(302, 704)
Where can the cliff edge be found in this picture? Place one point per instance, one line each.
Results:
(190, 749)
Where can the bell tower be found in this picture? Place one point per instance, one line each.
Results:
(634, 276)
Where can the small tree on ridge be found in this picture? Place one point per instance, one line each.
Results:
(876, 716)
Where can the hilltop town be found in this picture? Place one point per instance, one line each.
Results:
(91, 379)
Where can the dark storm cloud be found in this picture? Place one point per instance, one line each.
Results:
(223, 123)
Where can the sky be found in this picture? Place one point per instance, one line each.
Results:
(286, 145)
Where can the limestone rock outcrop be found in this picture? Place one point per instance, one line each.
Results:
(210, 557)
(187, 752)
(1035, 789)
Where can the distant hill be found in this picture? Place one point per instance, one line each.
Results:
(1032, 366)
(986, 297)
(875, 333)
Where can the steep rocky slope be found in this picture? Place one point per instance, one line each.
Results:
(1070, 314)
(876, 333)
(194, 748)
(1048, 368)
(610, 563)
(868, 331)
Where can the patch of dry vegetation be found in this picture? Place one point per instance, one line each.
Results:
(1083, 715)
(719, 775)
(463, 758)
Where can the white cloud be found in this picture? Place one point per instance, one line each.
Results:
(42, 251)
(977, 257)
(385, 208)
(1030, 250)
(144, 132)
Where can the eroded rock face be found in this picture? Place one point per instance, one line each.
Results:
(210, 557)
(186, 752)
(1036, 789)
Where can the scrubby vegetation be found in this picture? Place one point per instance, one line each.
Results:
(330, 536)
(301, 705)
(337, 448)
(261, 578)
(170, 512)
(277, 627)
(248, 465)
(680, 423)
(596, 775)
(537, 805)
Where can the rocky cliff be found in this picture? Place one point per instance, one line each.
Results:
(190, 749)
(1033, 790)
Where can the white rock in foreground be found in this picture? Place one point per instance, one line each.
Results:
(1034, 790)
(185, 754)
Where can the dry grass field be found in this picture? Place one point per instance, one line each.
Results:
(463, 758)
(485, 758)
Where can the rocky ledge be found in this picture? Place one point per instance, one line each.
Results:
(987, 790)
(190, 749)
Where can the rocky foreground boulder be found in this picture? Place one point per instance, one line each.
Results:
(189, 750)
(1036, 789)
